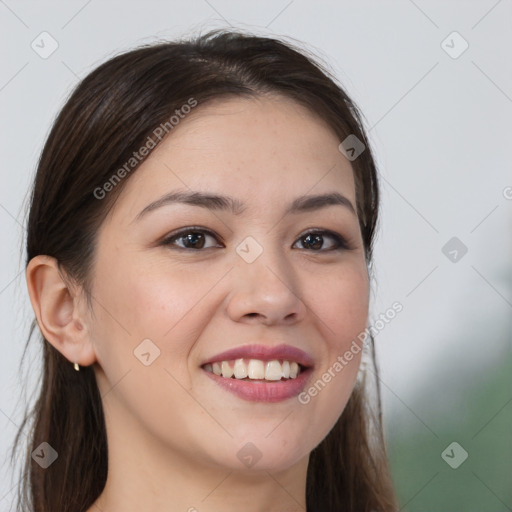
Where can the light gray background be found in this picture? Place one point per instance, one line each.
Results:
(440, 128)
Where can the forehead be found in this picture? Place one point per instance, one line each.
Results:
(262, 149)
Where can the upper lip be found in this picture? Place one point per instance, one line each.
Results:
(265, 353)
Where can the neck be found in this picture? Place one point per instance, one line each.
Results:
(143, 474)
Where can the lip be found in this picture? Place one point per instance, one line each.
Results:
(264, 353)
(259, 391)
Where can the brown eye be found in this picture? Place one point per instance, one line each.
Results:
(314, 241)
(190, 238)
(195, 239)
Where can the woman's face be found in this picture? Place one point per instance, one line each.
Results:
(164, 309)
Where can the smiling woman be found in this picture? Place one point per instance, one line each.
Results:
(201, 295)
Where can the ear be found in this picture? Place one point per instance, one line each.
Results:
(58, 310)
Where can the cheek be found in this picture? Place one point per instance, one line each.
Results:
(166, 306)
(342, 314)
(164, 303)
(340, 303)
(150, 300)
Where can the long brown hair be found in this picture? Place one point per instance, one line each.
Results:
(111, 113)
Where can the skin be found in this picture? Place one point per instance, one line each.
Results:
(173, 434)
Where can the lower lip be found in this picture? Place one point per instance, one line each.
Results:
(263, 391)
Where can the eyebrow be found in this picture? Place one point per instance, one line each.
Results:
(305, 203)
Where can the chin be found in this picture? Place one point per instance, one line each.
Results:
(265, 454)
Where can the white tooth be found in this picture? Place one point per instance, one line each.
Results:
(227, 371)
(240, 369)
(286, 369)
(216, 368)
(208, 367)
(273, 370)
(256, 369)
(294, 370)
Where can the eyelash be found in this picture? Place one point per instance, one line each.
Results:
(340, 242)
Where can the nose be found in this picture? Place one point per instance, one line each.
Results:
(266, 291)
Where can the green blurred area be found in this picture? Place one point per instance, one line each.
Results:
(479, 419)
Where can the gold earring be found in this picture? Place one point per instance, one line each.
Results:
(76, 367)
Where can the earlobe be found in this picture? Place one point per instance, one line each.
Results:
(55, 303)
